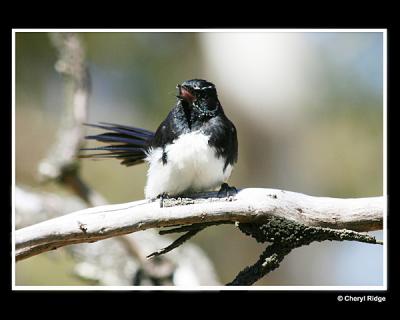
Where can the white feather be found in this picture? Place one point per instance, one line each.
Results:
(192, 165)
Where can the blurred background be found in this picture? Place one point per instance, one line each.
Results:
(308, 108)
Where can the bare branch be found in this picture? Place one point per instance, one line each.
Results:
(286, 236)
(33, 206)
(176, 243)
(249, 205)
(268, 261)
(61, 162)
(191, 227)
(119, 260)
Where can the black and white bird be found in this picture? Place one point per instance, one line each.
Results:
(194, 149)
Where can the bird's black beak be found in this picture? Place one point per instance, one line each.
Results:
(178, 87)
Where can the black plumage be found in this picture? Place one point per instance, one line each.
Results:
(128, 143)
(197, 110)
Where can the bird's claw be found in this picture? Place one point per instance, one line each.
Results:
(162, 197)
(226, 191)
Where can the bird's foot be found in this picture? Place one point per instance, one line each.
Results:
(162, 197)
(226, 191)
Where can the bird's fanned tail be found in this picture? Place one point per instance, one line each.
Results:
(124, 142)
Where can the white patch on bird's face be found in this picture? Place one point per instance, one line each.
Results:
(192, 165)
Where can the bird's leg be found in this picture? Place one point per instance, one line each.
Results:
(226, 191)
(162, 197)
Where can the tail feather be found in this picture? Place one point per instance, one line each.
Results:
(102, 155)
(140, 133)
(129, 128)
(116, 137)
(124, 142)
(115, 148)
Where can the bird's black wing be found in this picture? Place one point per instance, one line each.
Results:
(171, 128)
(223, 138)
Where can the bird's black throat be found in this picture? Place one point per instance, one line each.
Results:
(196, 115)
(187, 110)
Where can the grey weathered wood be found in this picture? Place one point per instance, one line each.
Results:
(249, 205)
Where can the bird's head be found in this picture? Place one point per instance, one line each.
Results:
(199, 95)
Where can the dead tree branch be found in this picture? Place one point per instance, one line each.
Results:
(248, 206)
(176, 243)
(71, 63)
(61, 163)
(285, 236)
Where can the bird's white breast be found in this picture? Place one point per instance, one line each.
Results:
(192, 165)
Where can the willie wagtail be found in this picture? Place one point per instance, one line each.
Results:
(194, 149)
